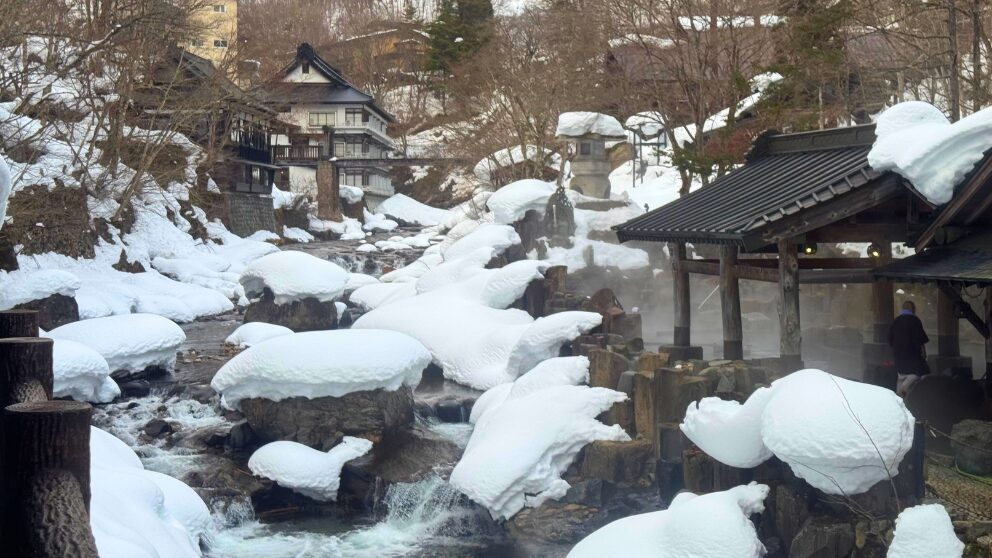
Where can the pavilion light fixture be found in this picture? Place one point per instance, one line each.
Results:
(874, 251)
(809, 249)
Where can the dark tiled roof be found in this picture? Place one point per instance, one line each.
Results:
(784, 174)
(942, 264)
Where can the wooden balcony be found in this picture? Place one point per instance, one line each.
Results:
(303, 153)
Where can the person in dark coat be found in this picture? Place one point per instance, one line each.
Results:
(908, 341)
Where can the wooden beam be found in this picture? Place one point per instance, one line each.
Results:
(750, 273)
(730, 303)
(680, 290)
(804, 263)
(835, 276)
(961, 309)
(790, 334)
(860, 232)
(948, 331)
(882, 303)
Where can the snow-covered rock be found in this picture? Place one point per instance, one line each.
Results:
(21, 286)
(321, 364)
(254, 333)
(351, 194)
(511, 202)
(292, 276)
(560, 371)
(575, 124)
(916, 140)
(128, 342)
(506, 471)
(491, 235)
(925, 531)
(841, 436)
(310, 472)
(357, 280)
(81, 373)
(714, 525)
(5, 187)
(297, 235)
(405, 209)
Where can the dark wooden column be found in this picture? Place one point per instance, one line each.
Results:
(882, 303)
(19, 323)
(680, 289)
(988, 340)
(25, 370)
(328, 195)
(790, 333)
(948, 330)
(730, 303)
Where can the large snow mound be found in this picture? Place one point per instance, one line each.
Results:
(841, 436)
(407, 210)
(560, 371)
(254, 333)
(505, 471)
(925, 532)
(497, 237)
(292, 275)
(128, 342)
(573, 124)
(714, 525)
(322, 364)
(81, 373)
(310, 472)
(21, 286)
(510, 203)
(916, 140)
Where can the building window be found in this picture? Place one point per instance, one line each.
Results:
(220, 43)
(196, 42)
(353, 117)
(306, 68)
(220, 8)
(318, 119)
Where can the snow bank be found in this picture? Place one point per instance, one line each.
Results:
(322, 364)
(497, 237)
(560, 371)
(351, 194)
(511, 202)
(81, 373)
(297, 235)
(407, 210)
(254, 333)
(129, 342)
(573, 124)
(21, 286)
(376, 222)
(915, 140)
(712, 525)
(292, 275)
(281, 199)
(136, 513)
(841, 436)
(925, 532)
(505, 471)
(510, 156)
(312, 473)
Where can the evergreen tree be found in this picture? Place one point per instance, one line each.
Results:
(460, 29)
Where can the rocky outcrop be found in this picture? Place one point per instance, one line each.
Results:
(972, 444)
(53, 311)
(308, 314)
(321, 423)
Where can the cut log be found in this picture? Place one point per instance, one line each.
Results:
(19, 323)
(25, 370)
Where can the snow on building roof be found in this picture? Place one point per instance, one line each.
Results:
(841, 436)
(129, 342)
(919, 143)
(322, 364)
(711, 525)
(405, 209)
(589, 124)
(81, 373)
(925, 531)
(292, 275)
(310, 472)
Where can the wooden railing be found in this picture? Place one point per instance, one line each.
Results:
(297, 152)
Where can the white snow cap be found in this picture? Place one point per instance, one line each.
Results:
(408, 210)
(254, 333)
(916, 140)
(576, 124)
(712, 525)
(841, 436)
(322, 364)
(292, 275)
(312, 473)
(560, 371)
(81, 373)
(925, 532)
(511, 202)
(505, 471)
(129, 342)
(21, 286)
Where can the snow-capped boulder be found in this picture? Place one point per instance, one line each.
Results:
(408, 211)
(292, 275)
(510, 203)
(925, 531)
(50, 292)
(130, 343)
(560, 371)
(81, 373)
(497, 237)
(254, 333)
(711, 525)
(312, 473)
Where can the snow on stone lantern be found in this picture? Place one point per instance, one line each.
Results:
(587, 134)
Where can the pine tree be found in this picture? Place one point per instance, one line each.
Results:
(460, 29)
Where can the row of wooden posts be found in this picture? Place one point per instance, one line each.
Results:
(45, 445)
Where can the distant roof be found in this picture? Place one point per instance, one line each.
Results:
(784, 174)
(967, 263)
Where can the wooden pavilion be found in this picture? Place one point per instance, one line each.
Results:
(766, 217)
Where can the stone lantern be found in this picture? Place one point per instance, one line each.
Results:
(586, 133)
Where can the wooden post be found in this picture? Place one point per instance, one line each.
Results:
(46, 456)
(988, 340)
(882, 304)
(790, 334)
(25, 370)
(948, 344)
(328, 195)
(730, 302)
(680, 289)
(19, 323)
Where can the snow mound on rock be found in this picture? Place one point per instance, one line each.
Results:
(510, 203)
(491, 235)
(407, 210)
(916, 140)
(841, 436)
(254, 333)
(572, 124)
(506, 471)
(312, 473)
(322, 364)
(292, 275)
(21, 286)
(128, 342)
(81, 373)
(712, 525)
(925, 532)
(560, 371)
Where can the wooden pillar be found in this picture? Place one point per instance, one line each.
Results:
(680, 289)
(46, 480)
(790, 334)
(988, 340)
(25, 370)
(948, 328)
(730, 302)
(19, 323)
(328, 195)
(882, 304)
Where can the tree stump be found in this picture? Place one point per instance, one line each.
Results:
(19, 323)
(46, 479)
(25, 370)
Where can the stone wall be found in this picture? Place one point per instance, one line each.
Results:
(248, 213)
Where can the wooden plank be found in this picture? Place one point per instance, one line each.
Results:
(730, 303)
(680, 293)
(790, 334)
(835, 276)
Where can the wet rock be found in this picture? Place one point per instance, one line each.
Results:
(157, 427)
(407, 455)
(53, 311)
(555, 523)
(973, 446)
(586, 492)
(450, 411)
(308, 314)
(822, 538)
(241, 436)
(321, 423)
(628, 462)
(135, 388)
